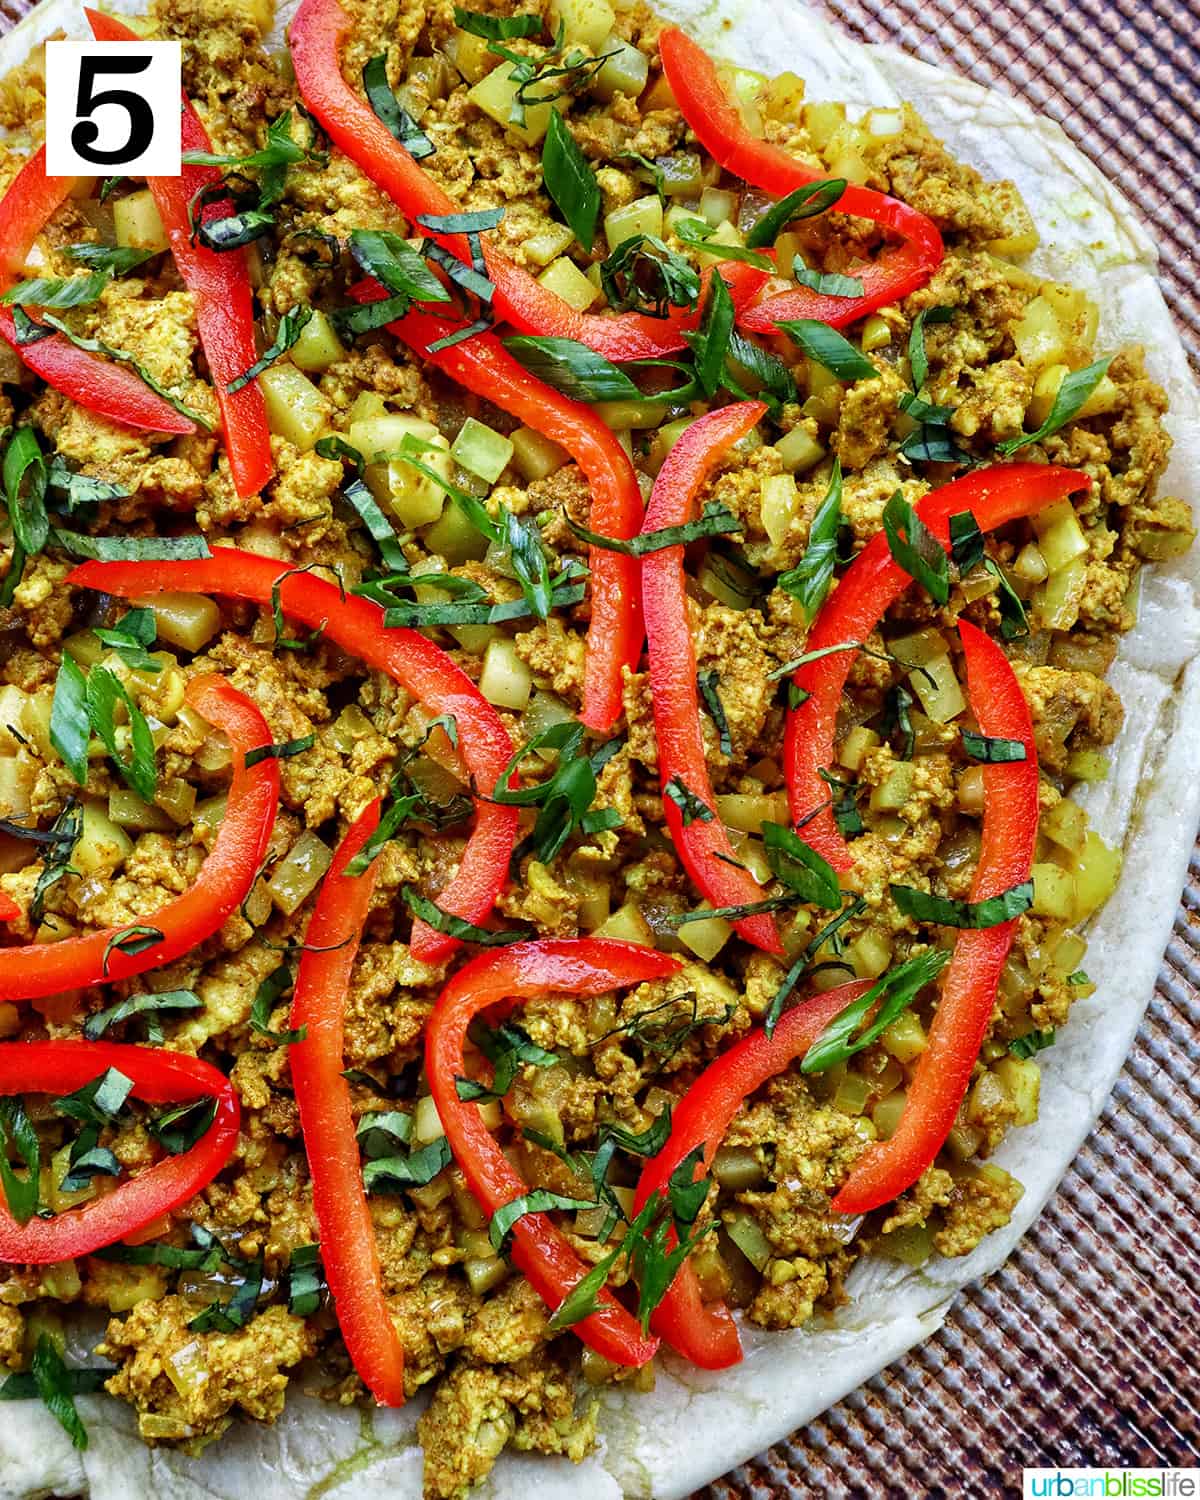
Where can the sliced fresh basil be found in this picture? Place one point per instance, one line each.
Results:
(99, 1101)
(149, 1005)
(697, 234)
(1071, 396)
(918, 360)
(800, 867)
(105, 691)
(70, 728)
(17, 1134)
(291, 326)
(915, 548)
(456, 927)
(234, 231)
(383, 1132)
(643, 274)
(717, 520)
(394, 263)
(178, 1129)
(496, 28)
(570, 181)
(57, 291)
(710, 342)
(114, 260)
(827, 283)
(305, 1281)
(709, 684)
(572, 368)
(1032, 1042)
(966, 542)
(539, 1201)
(809, 581)
(133, 548)
(829, 348)
(691, 808)
(924, 906)
(282, 751)
(991, 749)
(396, 1174)
(768, 369)
(801, 965)
(893, 993)
(25, 477)
(137, 938)
(130, 637)
(507, 1048)
(393, 114)
(802, 203)
(60, 841)
(268, 994)
(54, 1384)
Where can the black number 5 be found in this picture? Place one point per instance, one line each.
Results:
(141, 116)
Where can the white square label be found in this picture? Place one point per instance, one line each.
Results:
(113, 108)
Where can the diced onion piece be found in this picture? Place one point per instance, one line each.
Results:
(746, 1234)
(895, 789)
(855, 746)
(885, 1115)
(912, 1245)
(623, 416)
(296, 875)
(1060, 536)
(506, 680)
(853, 1092)
(718, 206)
(904, 1039)
(942, 697)
(484, 1275)
(1056, 602)
(738, 1168)
(127, 810)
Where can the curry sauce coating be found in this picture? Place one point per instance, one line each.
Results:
(497, 1374)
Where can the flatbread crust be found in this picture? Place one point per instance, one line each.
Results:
(695, 1426)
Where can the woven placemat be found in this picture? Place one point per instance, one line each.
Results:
(1081, 1350)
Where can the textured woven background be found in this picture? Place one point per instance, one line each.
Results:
(1082, 1349)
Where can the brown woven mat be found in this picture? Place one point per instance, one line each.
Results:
(1081, 1350)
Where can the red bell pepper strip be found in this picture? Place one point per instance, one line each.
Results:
(158, 1077)
(224, 881)
(960, 1022)
(9, 910)
(419, 666)
(898, 270)
(316, 34)
(871, 584)
(483, 365)
(348, 1249)
(103, 387)
(706, 1334)
(701, 842)
(492, 982)
(220, 287)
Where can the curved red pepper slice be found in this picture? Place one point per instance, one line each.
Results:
(701, 843)
(899, 269)
(105, 388)
(224, 881)
(158, 1077)
(9, 910)
(871, 584)
(315, 38)
(706, 1333)
(964, 1009)
(419, 666)
(348, 1249)
(483, 365)
(220, 286)
(492, 982)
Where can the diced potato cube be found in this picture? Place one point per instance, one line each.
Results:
(747, 812)
(566, 280)
(895, 789)
(876, 333)
(505, 680)
(628, 925)
(1053, 892)
(586, 23)
(625, 73)
(136, 222)
(318, 346)
(1022, 1079)
(855, 746)
(642, 216)
(938, 689)
(1060, 536)
(542, 248)
(102, 845)
(535, 456)
(188, 621)
(1066, 824)
(707, 937)
(777, 505)
(1039, 336)
(296, 410)
(1097, 869)
(1045, 389)
(905, 1038)
(414, 498)
(496, 93)
(1056, 602)
(821, 120)
(724, 234)
(783, 97)
(799, 450)
(14, 728)
(482, 449)
(870, 954)
(296, 875)
(469, 54)
(427, 1125)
